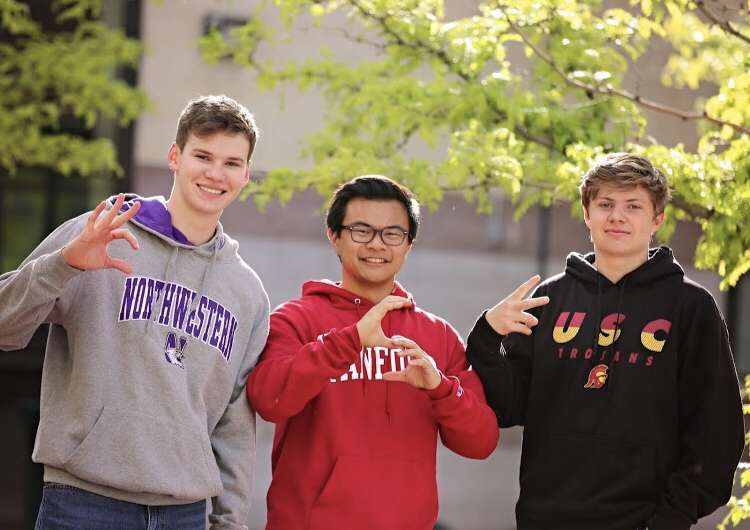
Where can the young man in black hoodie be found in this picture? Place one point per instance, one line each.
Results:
(626, 388)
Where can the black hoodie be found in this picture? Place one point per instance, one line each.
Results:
(640, 427)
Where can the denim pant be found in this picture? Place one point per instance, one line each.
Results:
(68, 508)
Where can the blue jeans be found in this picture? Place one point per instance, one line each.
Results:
(68, 508)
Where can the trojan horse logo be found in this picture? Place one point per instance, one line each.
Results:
(597, 376)
(173, 349)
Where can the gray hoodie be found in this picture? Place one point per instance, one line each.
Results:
(142, 393)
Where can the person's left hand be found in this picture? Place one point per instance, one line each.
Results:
(421, 372)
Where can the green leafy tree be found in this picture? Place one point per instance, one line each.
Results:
(63, 74)
(739, 507)
(528, 127)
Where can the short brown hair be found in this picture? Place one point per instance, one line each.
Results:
(207, 115)
(625, 170)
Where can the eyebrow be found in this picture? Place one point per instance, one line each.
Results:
(633, 199)
(370, 226)
(204, 152)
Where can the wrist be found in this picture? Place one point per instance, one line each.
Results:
(66, 258)
(434, 380)
(442, 390)
(494, 323)
(360, 333)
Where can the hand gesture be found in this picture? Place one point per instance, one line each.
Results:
(88, 251)
(510, 316)
(369, 328)
(421, 372)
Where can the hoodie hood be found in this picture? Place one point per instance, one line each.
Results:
(155, 218)
(660, 264)
(340, 297)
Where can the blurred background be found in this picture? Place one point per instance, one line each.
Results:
(462, 262)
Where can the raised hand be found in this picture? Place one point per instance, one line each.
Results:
(510, 316)
(88, 251)
(421, 372)
(369, 327)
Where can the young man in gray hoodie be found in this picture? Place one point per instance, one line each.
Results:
(155, 323)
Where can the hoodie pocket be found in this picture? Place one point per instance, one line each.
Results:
(140, 454)
(585, 474)
(376, 494)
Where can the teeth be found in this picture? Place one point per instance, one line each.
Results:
(213, 191)
(374, 260)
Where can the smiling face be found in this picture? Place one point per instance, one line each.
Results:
(209, 173)
(369, 269)
(622, 221)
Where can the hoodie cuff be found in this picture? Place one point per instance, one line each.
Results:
(665, 518)
(56, 271)
(445, 388)
(227, 526)
(484, 332)
(343, 345)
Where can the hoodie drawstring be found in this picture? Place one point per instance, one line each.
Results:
(611, 363)
(613, 380)
(167, 274)
(388, 384)
(358, 306)
(206, 277)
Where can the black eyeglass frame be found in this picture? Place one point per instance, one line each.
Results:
(376, 231)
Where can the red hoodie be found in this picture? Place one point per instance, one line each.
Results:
(351, 451)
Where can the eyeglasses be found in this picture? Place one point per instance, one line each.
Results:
(392, 236)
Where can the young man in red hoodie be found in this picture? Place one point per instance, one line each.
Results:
(360, 382)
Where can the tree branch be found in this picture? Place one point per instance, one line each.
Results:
(354, 38)
(610, 90)
(723, 24)
(443, 56)
(695, 211)
(383, 21)
(487, 184)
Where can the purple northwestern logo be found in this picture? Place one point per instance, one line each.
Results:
(174, 349)
(172, 305)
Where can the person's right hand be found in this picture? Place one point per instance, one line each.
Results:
(369, 328)
(510, 315)
(88, 251)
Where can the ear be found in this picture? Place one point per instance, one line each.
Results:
(333, 240)
(247, 173)
(408, 249)
(586, 218)
(173, 156)
(658, 221)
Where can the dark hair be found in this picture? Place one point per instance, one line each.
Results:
(625, 170)
(207, 115)
(374, 188)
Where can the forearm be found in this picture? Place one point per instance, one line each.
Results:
(712, 435)
(282, 384)
(467, 425)
(504, 380)
(29, 295)
(233, 442)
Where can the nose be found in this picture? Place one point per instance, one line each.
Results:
(377, 241)
(617, 213)
(213, 171)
